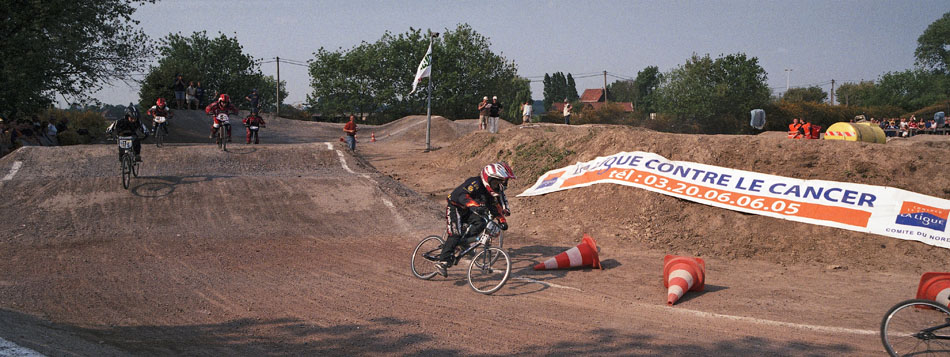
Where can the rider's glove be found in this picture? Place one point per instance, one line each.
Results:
(504, 226)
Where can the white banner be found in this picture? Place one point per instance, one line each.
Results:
(424, 70)
(880, 210)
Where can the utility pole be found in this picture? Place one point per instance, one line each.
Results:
(278, 86)
(788, 71)
(432, 36)
(832, 92)
(605, 87)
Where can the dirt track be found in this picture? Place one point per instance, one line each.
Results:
(298, 247)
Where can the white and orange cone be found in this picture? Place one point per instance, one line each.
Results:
(584, 254)
(934, 286)
(373, 140)
(682, 274)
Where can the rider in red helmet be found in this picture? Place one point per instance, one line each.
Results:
(469, 202)
(221, 106)
(160, 110)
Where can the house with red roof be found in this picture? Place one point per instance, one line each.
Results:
(594, 98)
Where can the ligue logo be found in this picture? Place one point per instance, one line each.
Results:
(918, 215)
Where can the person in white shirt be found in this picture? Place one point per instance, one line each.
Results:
(526, 112)
(567, 112)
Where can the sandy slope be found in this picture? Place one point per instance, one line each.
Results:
(299, 247)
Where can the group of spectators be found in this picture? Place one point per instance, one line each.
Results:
(904, 127)
(191, 96)
(490, 112)
(25, 133)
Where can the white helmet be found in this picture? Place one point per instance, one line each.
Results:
(495, 177)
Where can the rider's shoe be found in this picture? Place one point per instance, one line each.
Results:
(442, 268)
(229, 140)
(211, 136)
(138, 158)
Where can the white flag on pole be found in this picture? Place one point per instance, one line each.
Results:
(425, 68)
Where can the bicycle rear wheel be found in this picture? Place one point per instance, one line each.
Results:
(489, 271)
(425, 256)
(916, 327)
(126, 170)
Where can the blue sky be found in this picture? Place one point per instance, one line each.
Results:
(818, 40)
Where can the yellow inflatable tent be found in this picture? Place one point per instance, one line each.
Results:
(855, 132)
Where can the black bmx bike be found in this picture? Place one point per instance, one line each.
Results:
(916, 327)
(225, 125)
(129, 167)
(159, 126)
(489, 269)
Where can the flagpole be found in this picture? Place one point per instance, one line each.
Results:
(429, 99)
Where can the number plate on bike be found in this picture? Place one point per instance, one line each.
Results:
(159, 120)
(125, 143)
(253, 127)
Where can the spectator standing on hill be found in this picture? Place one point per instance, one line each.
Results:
(526, 112)
(493, 114)
(350, 130)
(567, 112)
(483, 109)
(51, 132)
(191, 96)
(255, 100)
(179, 89)
(200, 95)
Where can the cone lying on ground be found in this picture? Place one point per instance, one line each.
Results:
(934, 286)
(682, 274)
(373, 137)
(584, 254)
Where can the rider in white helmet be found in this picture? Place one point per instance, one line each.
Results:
(469, 202)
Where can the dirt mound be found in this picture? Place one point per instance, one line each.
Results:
(412, 130)
(633, 218)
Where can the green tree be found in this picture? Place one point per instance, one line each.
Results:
(855, 94)
(219, 63)
(933, 46)
(813, 94)
(622, 91)
(571, 90)
(646, 84)
(911, 89)
(714, 95)
(375, 78)
(66, 48)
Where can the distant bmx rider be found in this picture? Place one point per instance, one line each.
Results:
(221, 106)
(469, 202)
(129, 126)
(160, 109)
(253, 123)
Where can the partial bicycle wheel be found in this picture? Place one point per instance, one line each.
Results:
(126, 170)
(425, 256)
(224, 138)
(159, 138)
(135, 168)
(916, 327)
(491, 272)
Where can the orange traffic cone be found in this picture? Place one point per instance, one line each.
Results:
(373, 137)
(682, 274)
(934, 286)
(584, 254)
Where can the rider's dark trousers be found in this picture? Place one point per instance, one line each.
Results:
(455, 217)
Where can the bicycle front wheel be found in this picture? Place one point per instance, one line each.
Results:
(159, 138)
(916, 327)
(126, 171)
(425, 256)
(489, 271)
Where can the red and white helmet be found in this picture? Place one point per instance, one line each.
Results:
(224, 98)
(160, 102)
(495, 177)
